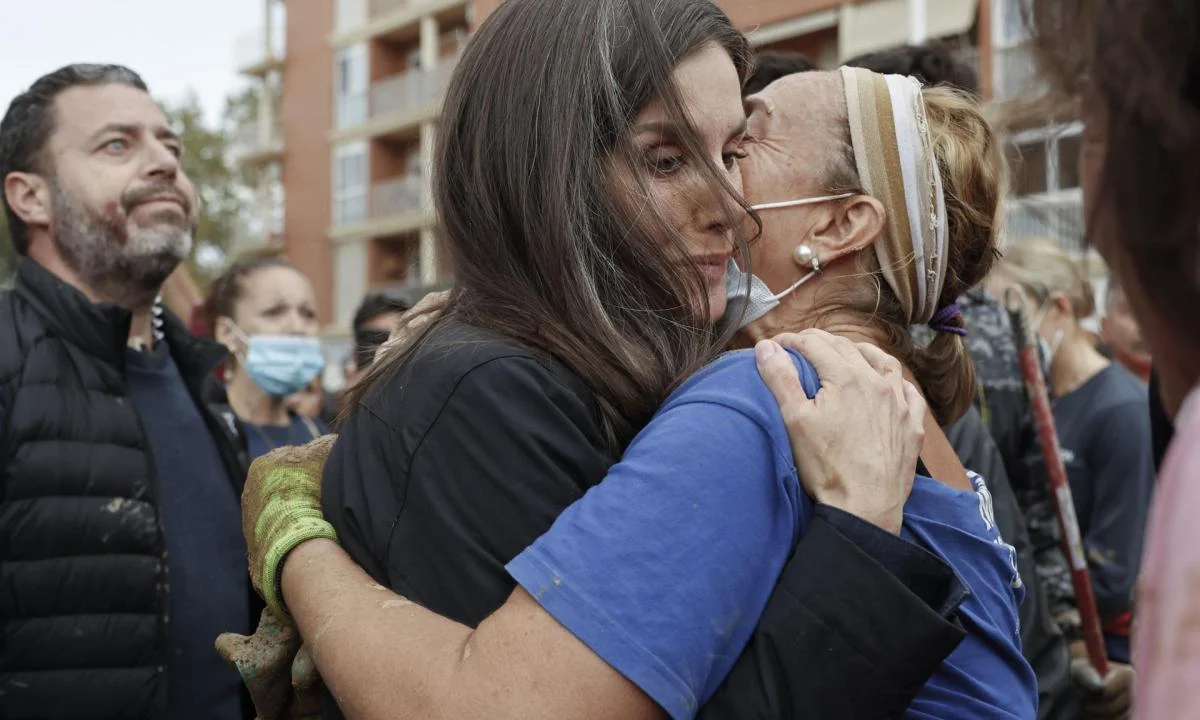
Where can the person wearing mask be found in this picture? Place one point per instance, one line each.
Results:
(1119, 331)
(997, 437)
(1100, 411)
(1140, 173)
(264, 311)
(675, 481)
(119, 541)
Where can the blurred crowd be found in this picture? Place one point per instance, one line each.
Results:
(482, 482)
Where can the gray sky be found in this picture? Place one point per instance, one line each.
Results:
(174, 44)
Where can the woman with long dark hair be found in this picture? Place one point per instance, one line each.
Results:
(581, 191)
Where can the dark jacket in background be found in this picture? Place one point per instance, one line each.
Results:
(83, 567)
(1006, 413)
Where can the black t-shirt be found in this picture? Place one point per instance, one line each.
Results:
(450, 432)
(1104, 431)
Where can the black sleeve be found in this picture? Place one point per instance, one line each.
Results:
(843, 636)
(441, 493)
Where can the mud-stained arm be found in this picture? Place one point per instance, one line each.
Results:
(381, 655)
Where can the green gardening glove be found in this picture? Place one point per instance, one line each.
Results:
(281, 508)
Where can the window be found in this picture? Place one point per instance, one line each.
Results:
(1045, 160)
(351, 86)
(350, 183)
(1008, 17)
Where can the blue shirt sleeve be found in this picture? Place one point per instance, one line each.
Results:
(664, 568)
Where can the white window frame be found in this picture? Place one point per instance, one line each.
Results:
(351, 195)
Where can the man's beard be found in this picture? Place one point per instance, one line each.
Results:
(122, 267)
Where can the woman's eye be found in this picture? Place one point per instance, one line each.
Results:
(732, 157)
(666, 165)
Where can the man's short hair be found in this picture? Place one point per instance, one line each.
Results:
(30, 122)
(376, 305)
(771, 65)
(932, 64)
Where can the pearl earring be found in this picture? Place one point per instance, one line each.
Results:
(804, 255)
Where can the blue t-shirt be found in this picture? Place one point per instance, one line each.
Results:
(262, 439)
(664, 568)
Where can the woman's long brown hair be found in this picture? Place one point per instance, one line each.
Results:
(536, 121)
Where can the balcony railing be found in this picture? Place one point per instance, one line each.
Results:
(383, 7)
(249, 140)
(1056, 215)
(410, 90)
(397, 196)
(251, 49)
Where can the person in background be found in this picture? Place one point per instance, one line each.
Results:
(1103, 424)
(771, 65)
(997, 435)
(1136, 68)
(263, 311)
(1120, 332)
(377, 317)
(120, 544)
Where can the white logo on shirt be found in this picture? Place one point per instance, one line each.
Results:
(988, 513)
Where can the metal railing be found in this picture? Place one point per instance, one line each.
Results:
(397, 196)
(251, 48)
(382, 7)
(247, 138)
(1057, 215)
(410, 90)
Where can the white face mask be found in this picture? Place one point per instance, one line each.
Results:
(749, 291)
(1051, 347)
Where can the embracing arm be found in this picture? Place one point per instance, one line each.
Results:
(381, 655)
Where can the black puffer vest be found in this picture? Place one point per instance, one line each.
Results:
(83, 566)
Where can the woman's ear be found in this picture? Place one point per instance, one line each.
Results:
(853, 224)
(1060, 302)
(224, 333)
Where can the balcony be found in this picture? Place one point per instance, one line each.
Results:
(395, 206)
(1056, 215)
(253, 56)
(256, 145)
(396, 196)
(395, 106)
(399, 20)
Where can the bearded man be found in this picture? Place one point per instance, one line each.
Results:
(121, 552)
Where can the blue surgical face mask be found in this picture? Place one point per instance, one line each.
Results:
(281, 365)
(749, 291)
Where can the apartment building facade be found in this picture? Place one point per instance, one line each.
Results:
(352, 89)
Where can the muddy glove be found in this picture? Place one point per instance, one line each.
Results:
(281, 508)
(277, 670)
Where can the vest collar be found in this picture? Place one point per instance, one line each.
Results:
(102, 329)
